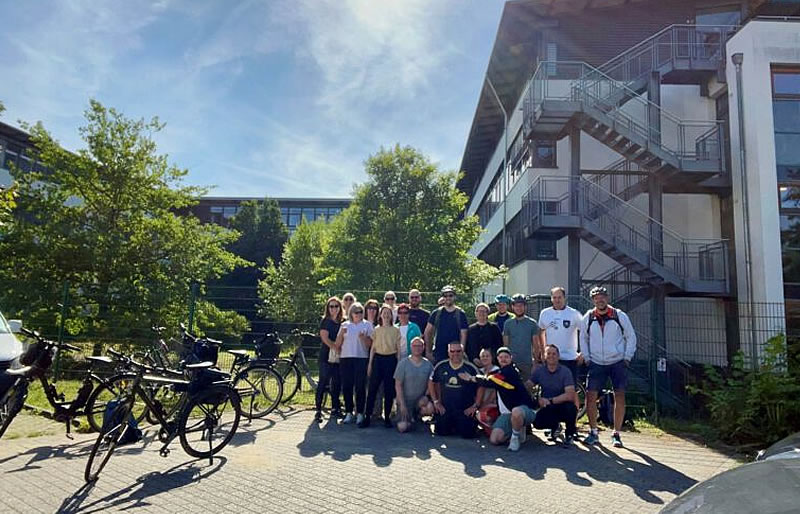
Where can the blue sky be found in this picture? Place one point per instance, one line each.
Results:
(261, 98)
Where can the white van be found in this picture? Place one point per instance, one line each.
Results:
(10, 347)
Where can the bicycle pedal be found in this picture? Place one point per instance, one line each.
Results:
(164, 452)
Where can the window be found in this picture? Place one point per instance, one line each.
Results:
(544, 155)
(229, 211)
(492, 199)
(518, 247)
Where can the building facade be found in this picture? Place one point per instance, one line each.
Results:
(219, 210)
(605, 150)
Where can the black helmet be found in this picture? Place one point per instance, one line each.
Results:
(598, 290)
(518, 298)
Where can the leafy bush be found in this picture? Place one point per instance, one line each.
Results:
(754, 406)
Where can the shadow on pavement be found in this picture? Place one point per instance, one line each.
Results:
(583, 466)
(137, 494)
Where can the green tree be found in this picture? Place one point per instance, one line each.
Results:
(262, 236)
(105, 219)
(291, 292)
(405, 229)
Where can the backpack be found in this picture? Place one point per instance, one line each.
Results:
(436, 314)
(111, 418)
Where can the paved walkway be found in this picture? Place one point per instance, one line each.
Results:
(286, 463)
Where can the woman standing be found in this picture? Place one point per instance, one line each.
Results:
(382, 361)
(353, 342)
(408, 330)
(329, 357)
(371, 311)
(347, 301)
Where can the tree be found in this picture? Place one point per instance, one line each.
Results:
(291, 292)
(105, 220)
(405, 229)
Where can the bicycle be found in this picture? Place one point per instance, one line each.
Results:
(295, 367)
(203, 406)
(258, 384)
(40, 357)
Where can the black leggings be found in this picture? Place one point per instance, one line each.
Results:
(549, 417)
(353, 371)
(382, 373)
(329, 372)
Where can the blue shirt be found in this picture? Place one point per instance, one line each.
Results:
(449, 330)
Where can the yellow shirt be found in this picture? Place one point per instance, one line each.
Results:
(387, 340)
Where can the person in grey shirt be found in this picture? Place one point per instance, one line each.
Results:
(410, 384)
(557, 398)
(521, 335)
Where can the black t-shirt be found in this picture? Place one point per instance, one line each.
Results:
(333, 330)
(456, 394)
(419, 316)
(483, 336)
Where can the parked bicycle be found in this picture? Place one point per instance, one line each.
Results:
(295, 367)
(259, 385)
(205, 422)
(37, 360)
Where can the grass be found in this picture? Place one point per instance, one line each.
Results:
(38, 399)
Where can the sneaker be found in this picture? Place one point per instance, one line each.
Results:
(336, 414)
(360, 419)
(349, 418)
(591, 439)
(514, 443)
(555, 433)
(318, 417)
(568, 440)
(616, 440)
(364, 423)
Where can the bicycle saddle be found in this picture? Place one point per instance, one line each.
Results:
(239, 353)
(200, 365)
(19, 372)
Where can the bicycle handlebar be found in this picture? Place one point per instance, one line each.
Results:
(36, 335)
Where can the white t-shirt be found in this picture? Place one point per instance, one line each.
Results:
(403, 340)
(352, 346)
(561, 329)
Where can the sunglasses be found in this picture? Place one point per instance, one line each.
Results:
(456, 351)
(358, 312)
(415, 297)
(333, 306)
(372, 308)
(390, 298)
(448, 295)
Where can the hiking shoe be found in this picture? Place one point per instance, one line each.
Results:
(318, 417)
(360, 419)
(555, 433)
(591, 439)
(514, 443)
(616, 440)
(349, 418)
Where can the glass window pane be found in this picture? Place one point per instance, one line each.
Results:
(216, 209)
(229, 211)
(786, 83)
(786, 114)
(787, 149)
(284, 210)
(790, 197)
(295, 210)
(294, 220)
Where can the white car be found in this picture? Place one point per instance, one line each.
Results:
(10, 347)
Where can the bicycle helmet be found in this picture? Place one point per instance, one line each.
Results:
(518, 298)
(502, 298)
(598, 290)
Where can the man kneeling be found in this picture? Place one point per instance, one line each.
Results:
(411, 383)
(557, 399)
(516, 405)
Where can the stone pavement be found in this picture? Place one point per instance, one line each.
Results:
(286, 463)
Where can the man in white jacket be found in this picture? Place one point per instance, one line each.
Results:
(608, 342)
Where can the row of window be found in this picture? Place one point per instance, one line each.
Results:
(518, 247)
(291, 216)
(13, 154)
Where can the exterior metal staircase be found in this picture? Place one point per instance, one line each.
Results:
(559, 205)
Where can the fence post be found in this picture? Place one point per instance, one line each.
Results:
(192, 305)
(64, 299)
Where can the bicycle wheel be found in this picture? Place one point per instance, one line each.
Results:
(107, 441)
(114, 387)
(291, 378)
(260, 388)
(581, 391)
(209, 421)
(14, 400)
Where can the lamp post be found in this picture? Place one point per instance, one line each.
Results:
(505, 169)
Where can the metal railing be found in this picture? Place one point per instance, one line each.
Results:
(602, 97)
(621, 177)
(630, 230)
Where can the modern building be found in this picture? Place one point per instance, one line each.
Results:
(606, 149)
(13, 143)
(214, 209)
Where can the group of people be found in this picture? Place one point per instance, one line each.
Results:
(479, 376)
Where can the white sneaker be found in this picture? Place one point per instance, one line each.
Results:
(349, 418)
(359, 419)
(514, 443)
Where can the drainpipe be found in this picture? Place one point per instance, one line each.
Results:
(505, 170)
(737, 59)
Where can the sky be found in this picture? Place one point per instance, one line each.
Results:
(279, 98)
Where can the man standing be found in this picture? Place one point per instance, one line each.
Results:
(557, 399)
(609, 342)
(500, 317)
(521, 335)
(483, 334)
(559, 326)
(410, 384)
(446, 324)
(516, 405)
(452, 395)
(417, 314)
